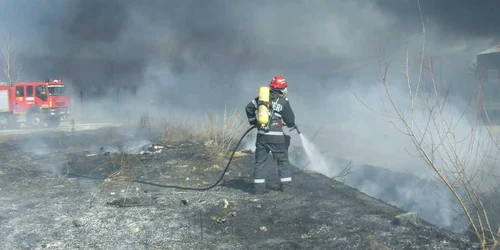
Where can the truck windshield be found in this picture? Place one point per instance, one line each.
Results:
(56, 90)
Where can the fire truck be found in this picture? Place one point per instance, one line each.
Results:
(35, 104)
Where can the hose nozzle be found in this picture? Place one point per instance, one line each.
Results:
(295, 128)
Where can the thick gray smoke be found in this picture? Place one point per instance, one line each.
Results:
(96, 43)
(197, 56)
(452, 17)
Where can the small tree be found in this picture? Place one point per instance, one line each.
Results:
(11, 68)
(464, 163)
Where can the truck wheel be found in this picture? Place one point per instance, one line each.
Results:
(53, 123)
(34, 120)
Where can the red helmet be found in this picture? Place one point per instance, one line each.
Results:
(278, 82)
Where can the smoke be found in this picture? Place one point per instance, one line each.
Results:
(451, 17)
(191, 57)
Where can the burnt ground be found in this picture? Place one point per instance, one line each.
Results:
(40, 209)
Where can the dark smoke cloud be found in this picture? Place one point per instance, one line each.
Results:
(115, 41)
(95, 21)
(461, 18)
(219, 35)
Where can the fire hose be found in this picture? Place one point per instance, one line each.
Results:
(214, 184)
(174, 186)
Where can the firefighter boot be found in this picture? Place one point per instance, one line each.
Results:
(286, 187)
(259, 188)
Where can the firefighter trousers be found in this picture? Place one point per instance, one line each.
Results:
(280, 154)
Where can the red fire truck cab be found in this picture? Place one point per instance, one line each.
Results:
(34, 103)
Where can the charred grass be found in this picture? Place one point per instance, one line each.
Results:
(176, 153)
(58, 212)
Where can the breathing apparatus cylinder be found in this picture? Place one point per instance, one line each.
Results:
(263, 106)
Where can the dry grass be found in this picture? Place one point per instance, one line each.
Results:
(165, 130)
(178, 132)
(220, 136)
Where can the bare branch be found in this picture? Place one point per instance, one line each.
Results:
(346, 171)
(9, 65)
(460, 158)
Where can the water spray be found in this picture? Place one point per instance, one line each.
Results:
(319, 162)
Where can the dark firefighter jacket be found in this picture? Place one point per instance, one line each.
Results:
(283, 113)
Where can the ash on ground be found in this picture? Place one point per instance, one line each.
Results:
(83, 192)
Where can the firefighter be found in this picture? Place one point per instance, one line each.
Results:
(272, 138)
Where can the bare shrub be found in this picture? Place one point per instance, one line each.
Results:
(125, 172)
(220, 136)
(11, 68)
(127, 168)
(459, 151)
